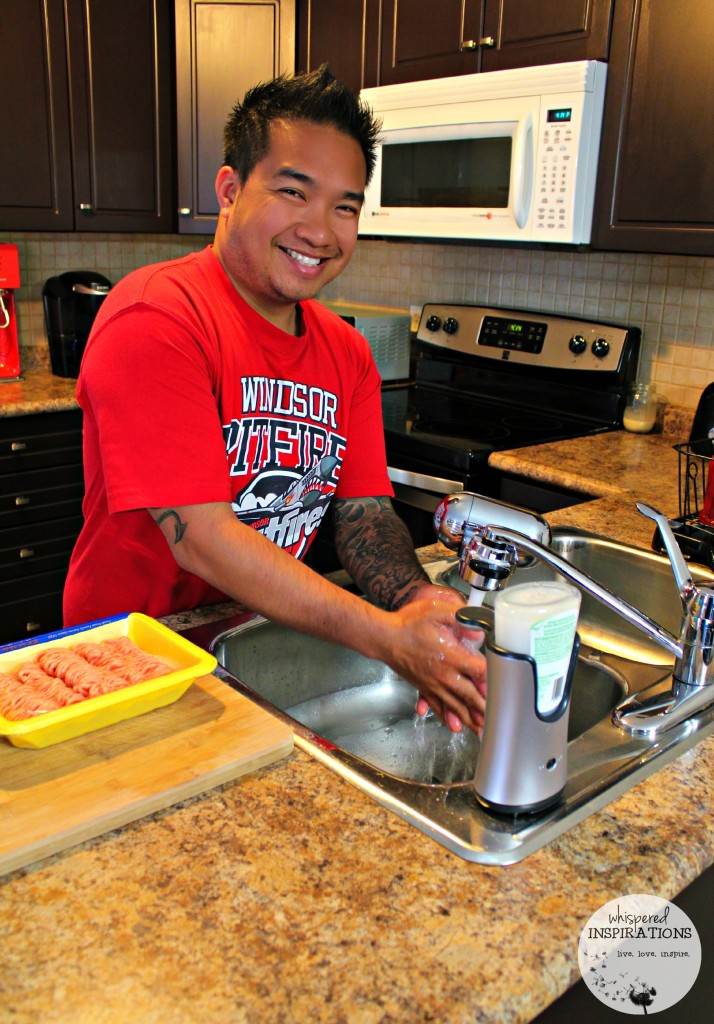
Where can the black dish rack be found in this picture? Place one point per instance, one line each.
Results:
(695, 538)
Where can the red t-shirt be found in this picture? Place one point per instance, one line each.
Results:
(190, 396)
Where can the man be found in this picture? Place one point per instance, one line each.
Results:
(224, 409)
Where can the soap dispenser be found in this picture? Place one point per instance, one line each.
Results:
(531, 658)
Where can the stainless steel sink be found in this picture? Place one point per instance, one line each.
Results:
(357, 716)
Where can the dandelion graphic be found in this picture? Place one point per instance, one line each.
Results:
(639, 992)
(642, 994)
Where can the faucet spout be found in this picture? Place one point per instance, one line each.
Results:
(613, 601)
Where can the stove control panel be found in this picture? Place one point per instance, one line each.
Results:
(535, 339)
(508, 332)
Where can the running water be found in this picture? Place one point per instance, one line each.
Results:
(476, 597)
(384, 730)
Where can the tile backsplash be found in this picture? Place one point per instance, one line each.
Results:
(671, 298)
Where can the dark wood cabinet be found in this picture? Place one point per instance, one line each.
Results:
(520, 33)
(420, 41)
(41, 491)
(656, 170)
(88, 136)
(349, 43)
(223, 47)
(36, 167)
(383, 43)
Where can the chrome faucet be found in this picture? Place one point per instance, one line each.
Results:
(492, 539)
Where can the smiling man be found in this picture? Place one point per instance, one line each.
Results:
(226, 413)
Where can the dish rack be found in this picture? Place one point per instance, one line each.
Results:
(695, 538)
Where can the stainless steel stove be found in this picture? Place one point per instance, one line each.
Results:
(491, 379)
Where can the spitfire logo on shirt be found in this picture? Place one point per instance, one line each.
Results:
(287, 446)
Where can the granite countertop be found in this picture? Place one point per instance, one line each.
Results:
(289, 896)
(38, 390)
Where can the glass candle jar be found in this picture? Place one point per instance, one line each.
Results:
(640, 407)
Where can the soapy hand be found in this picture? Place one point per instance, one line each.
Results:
(450, 678)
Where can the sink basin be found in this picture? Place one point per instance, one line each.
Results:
(357, 716)
(365, 708)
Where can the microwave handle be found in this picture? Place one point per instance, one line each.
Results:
(523, 163)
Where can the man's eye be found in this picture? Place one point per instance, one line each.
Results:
(353, 210)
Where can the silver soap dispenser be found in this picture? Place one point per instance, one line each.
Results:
(522, 764)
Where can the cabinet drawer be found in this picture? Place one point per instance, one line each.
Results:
(30, 616)
(45, 439)
(35, 496)
(32, 534)
(37, 481)
(27, 429)
(56, 503)
(29, 559)
(28, 458)
(27, 589)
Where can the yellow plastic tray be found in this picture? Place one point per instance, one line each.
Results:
(97, 712)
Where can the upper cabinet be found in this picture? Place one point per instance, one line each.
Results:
(419, 41)
(348, 43)
(656, 168)
(412, 40)
(223, 47)
(88, 132)
(520, 33)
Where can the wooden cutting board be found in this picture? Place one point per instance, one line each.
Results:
(54, 798)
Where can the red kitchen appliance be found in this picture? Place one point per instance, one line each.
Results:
(9, 281)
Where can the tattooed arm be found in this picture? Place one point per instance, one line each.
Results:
(375, 548)
(416, 638)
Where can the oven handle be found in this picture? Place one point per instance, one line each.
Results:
(422, 482)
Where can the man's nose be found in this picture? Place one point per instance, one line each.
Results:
(315, 225)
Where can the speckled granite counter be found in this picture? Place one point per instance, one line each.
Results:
(290, 897)
(38, 391)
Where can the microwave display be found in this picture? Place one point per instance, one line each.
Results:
(559, 115)
(452, 173)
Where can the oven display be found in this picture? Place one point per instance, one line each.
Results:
(522, 335)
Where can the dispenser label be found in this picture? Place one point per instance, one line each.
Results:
(551, 647)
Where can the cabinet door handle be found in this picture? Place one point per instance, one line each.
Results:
(31, 627)
(86, 207)
(184, 211)
(18, 446)
(21, 500)
(473, 44)
(27, 552)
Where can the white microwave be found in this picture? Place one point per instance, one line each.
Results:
(504, 156)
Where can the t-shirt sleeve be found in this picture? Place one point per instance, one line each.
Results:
(150, 389)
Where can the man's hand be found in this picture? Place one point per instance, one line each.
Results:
(430, 654)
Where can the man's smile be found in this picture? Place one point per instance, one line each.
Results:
(306, 261)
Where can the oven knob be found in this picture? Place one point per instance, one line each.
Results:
(577, 344)
(601, 347)
(433, 322)
(451, 325)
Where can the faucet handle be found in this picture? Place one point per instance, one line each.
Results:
(680, 568)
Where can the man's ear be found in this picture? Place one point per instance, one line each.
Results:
(227, 188)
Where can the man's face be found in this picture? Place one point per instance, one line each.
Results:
(292, 227)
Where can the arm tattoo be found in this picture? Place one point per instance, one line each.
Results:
(179, 525)
(375, 548)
